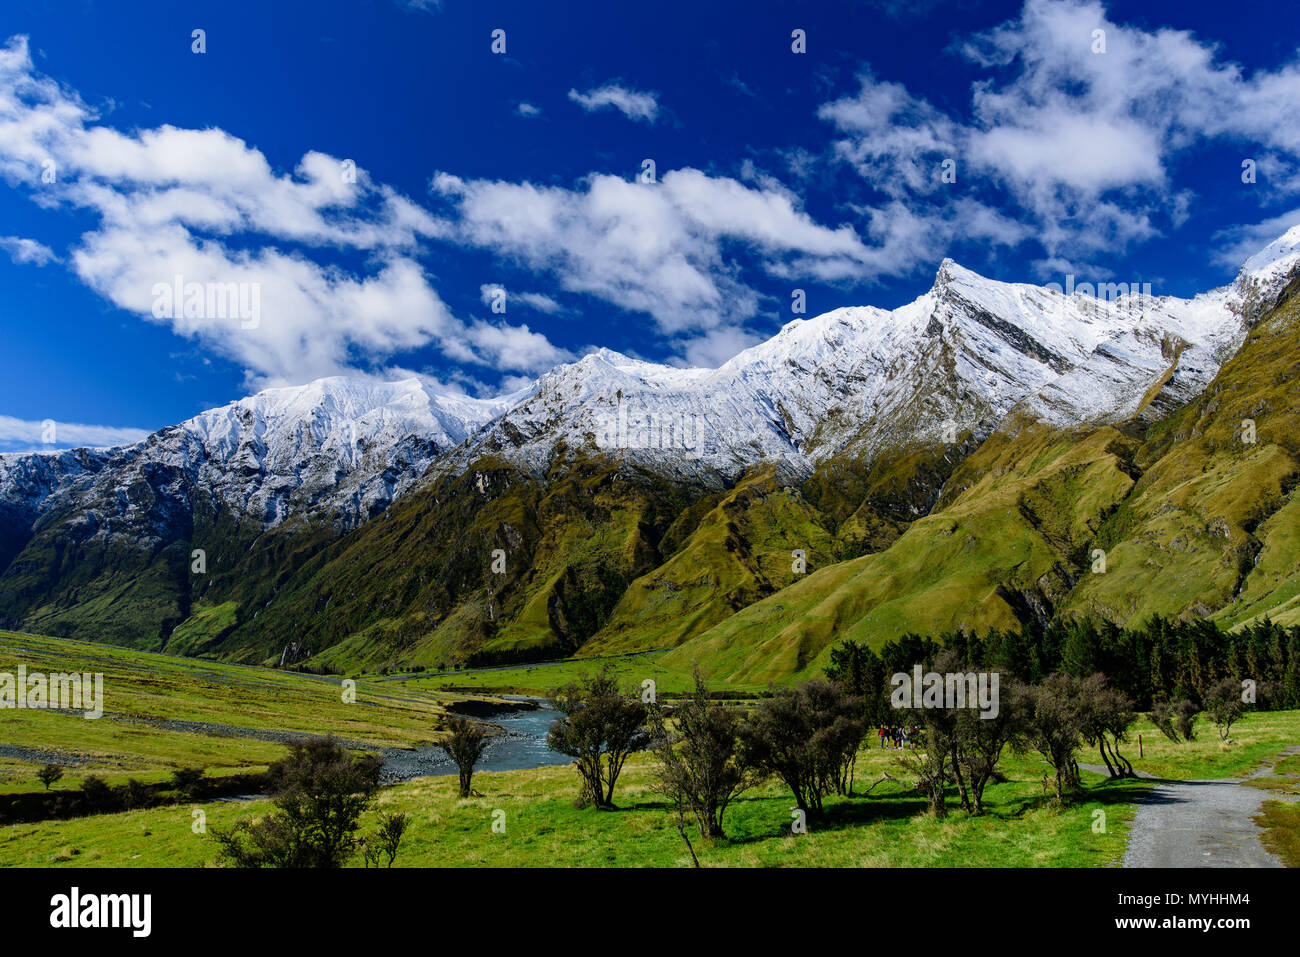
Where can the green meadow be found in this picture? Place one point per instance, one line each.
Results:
(163, 712)
(883, 824)
(544, 829)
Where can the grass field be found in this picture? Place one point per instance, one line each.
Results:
(1257, 739)
(539, 679)
(887, 827)
(544, 829)
(1282, 830)
(164, 712)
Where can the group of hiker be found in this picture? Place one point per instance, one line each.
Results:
(897, 737)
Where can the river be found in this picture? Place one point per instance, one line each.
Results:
(522, 746)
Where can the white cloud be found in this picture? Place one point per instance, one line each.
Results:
(896, 141)
(540, 302)
(631, 103)
(27, 251)
(516, 347)
(1239, 243)
(203, 205)
(528, 110)
(667, 248)
(23, 435)
(717, 346)
(1082, 145)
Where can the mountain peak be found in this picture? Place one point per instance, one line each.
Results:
(949, 268)
(609, 356)
(1276, 259)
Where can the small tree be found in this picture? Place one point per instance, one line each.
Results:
(1224, 706)
(1185, 719)
(464, 744)
(808, 737)
(380, 848)
(934, 764)
(599, 727)
(99, 796)
(138, 795)
(1105, 715)
(1052, 728)
(49, 775)
(320, 792)
(982, 739)
(1175, 719)
(958, 746)
(701, 764)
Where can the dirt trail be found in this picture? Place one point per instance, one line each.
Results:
(1201, 824)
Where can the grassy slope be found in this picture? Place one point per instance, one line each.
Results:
(1011, 539)
(68, 582)
(1211, 524)
(416, 585)
(139, 686)
(740, 551)
(539, 679)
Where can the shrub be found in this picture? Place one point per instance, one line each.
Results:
(702, 766)
(464, 744)
(381, 847)
(599, 727)
(98, 795)
(320, 792)
(808, 737)
(49, 775)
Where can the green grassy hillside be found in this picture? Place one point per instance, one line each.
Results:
(1188, 519)
(1008, 548)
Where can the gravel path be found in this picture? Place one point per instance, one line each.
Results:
(1200, 824)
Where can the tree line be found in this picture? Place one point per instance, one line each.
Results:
(1159, 660)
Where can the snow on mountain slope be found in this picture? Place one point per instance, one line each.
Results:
(338, 450)
(858, 380)
(868, 380)
(1264, 274)
(30, 481)
(1273, 264)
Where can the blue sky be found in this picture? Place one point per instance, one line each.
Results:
(774, 170)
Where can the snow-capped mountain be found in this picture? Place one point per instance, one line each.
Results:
(858, 380)
(29, 481)
(1263, 276)
(337, 450)
(337, 447)
(866, 380)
